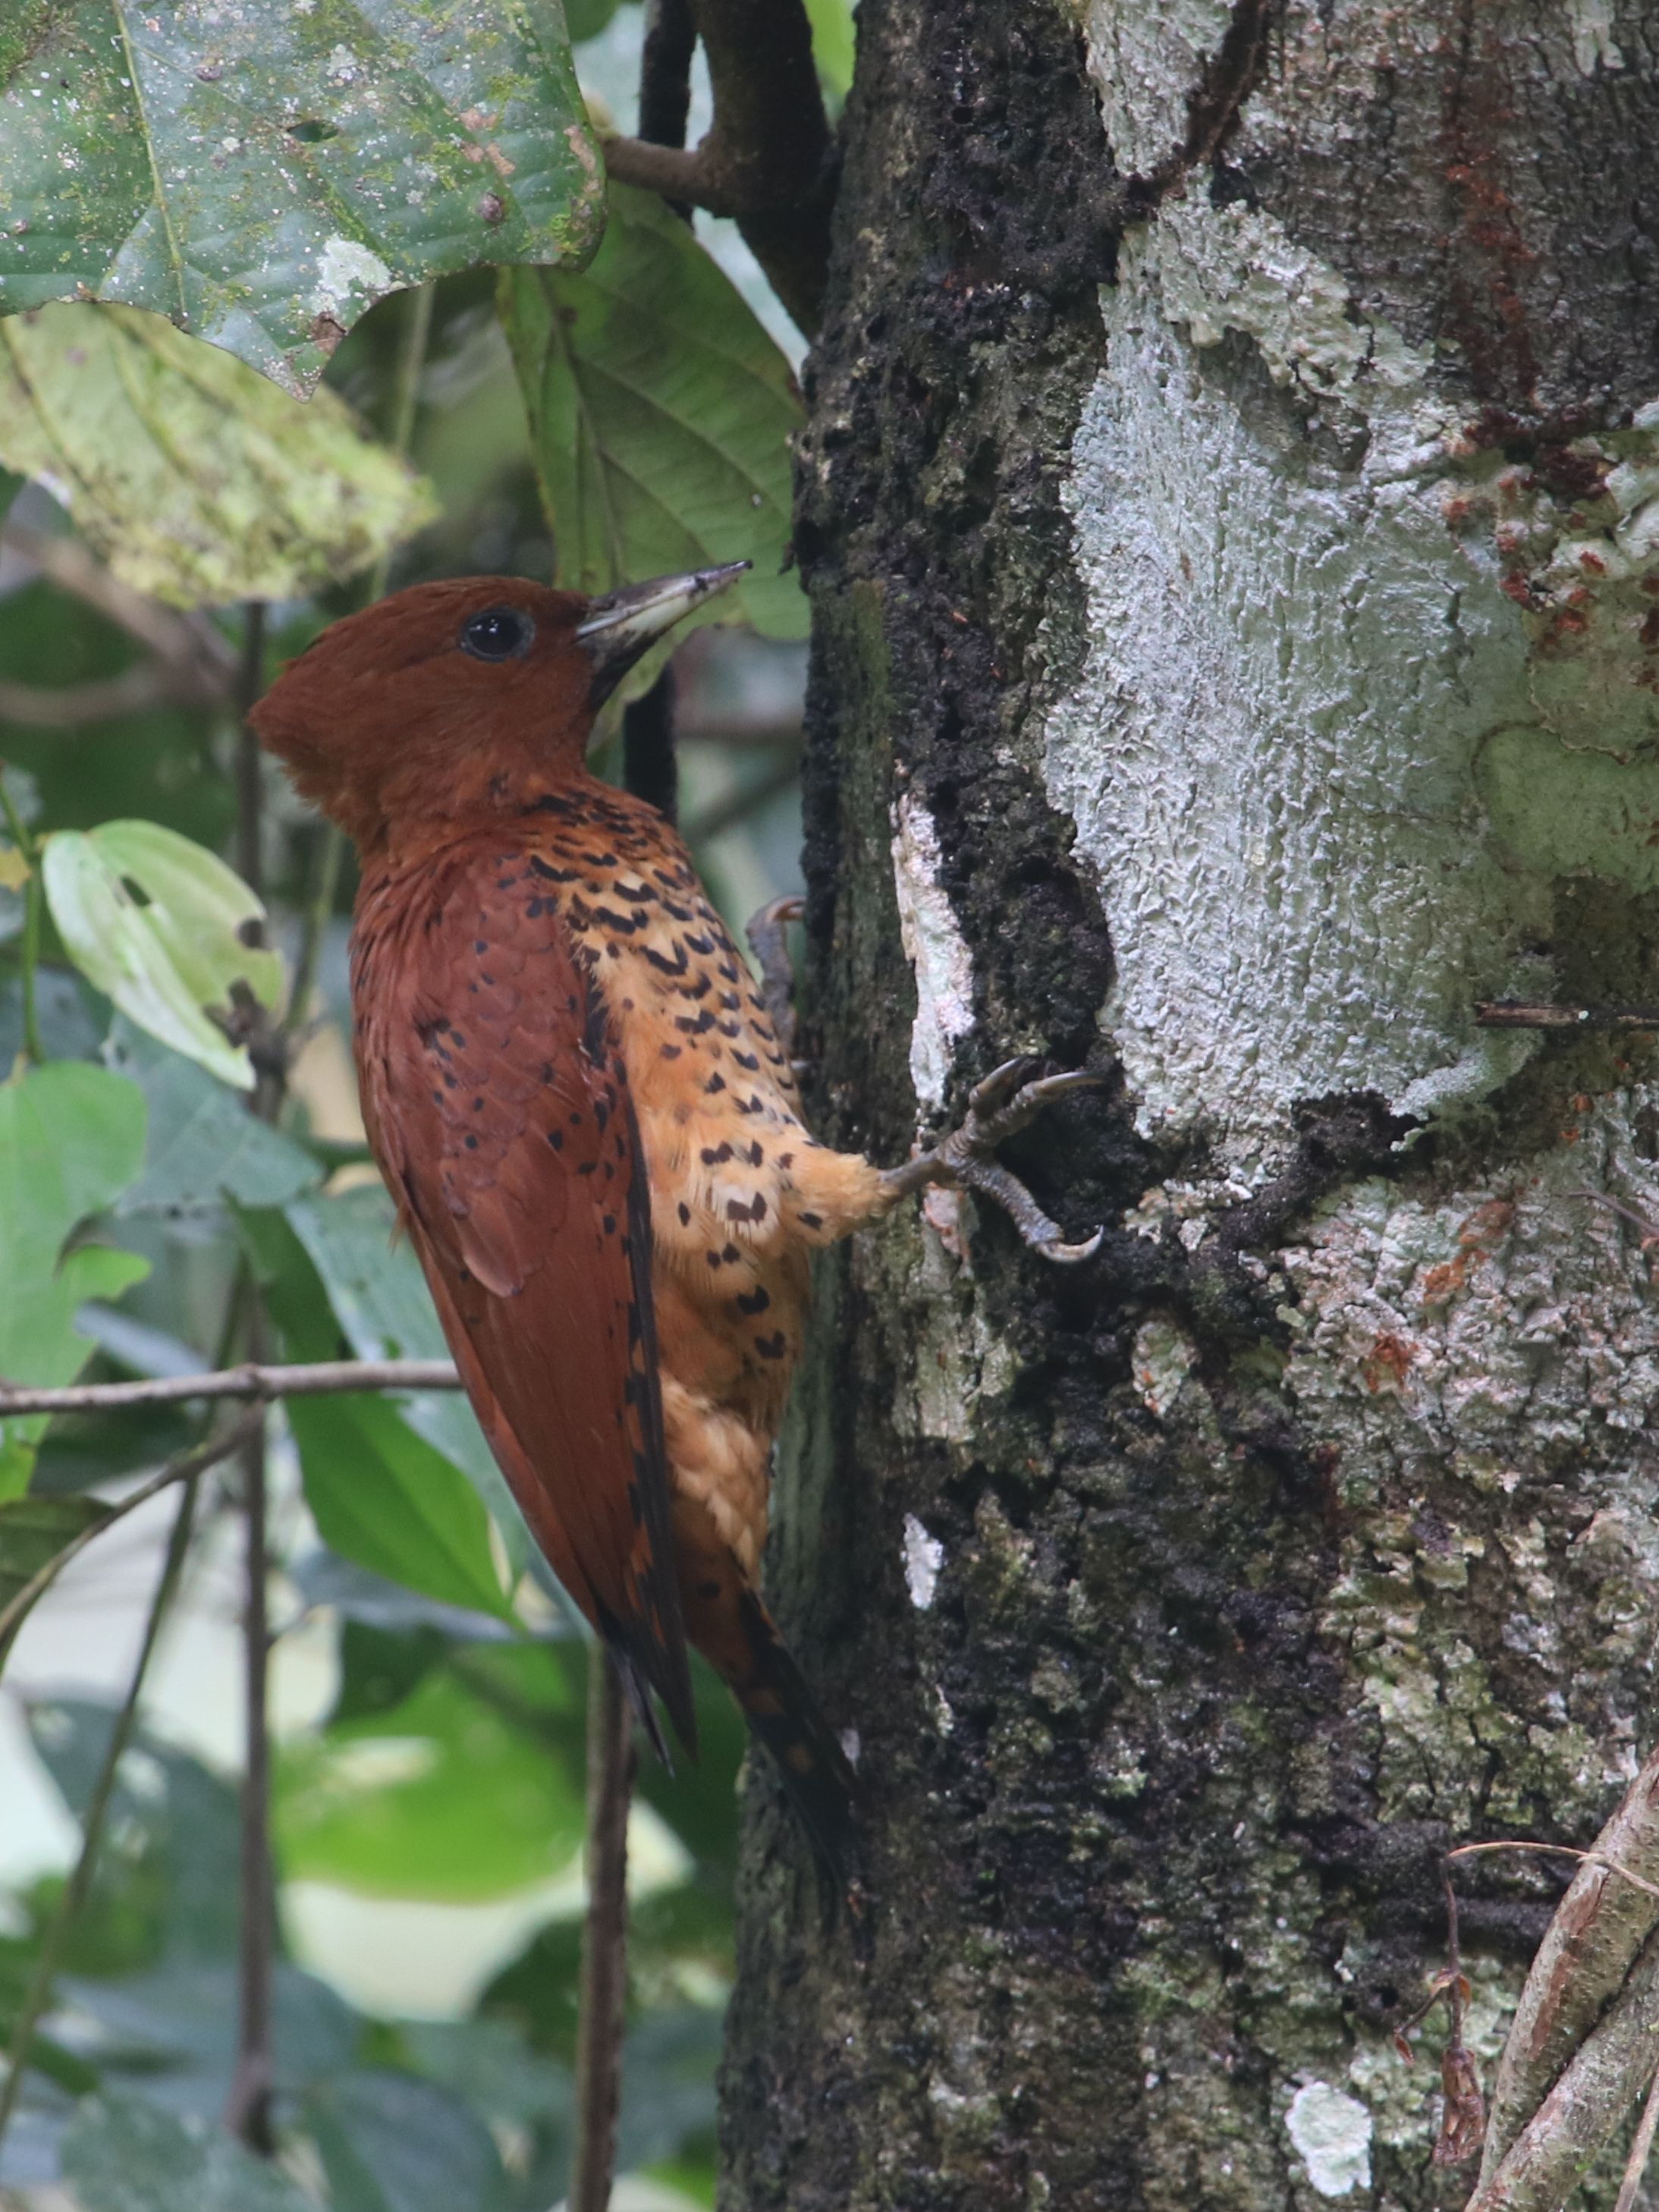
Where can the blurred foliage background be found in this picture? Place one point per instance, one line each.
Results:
(428, 1680)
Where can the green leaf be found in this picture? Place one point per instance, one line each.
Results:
(181, 1823)
(170, 949)
(380, 1299)
(442, 1797)
(380, 1494)
(121, 2155)
(71, 1138)
(194, 478)
(833, 42)
(263, 175)
(391, 2143)
(660, 414)
(205, 1145)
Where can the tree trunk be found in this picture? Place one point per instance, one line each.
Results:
(1231, 502)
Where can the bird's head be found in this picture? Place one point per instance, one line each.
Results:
(454, 698)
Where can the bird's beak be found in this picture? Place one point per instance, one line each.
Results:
(620, 626)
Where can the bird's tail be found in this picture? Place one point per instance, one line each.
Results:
(745, 1647)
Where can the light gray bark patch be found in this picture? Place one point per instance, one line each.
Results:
(1268, 759)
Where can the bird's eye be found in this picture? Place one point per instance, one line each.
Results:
(498, 633)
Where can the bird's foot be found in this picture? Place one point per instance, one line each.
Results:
(1005, 1102)
(767, 935)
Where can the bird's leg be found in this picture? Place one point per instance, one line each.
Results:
(1005, 1102)
(766, 934)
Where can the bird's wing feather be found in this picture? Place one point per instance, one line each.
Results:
(497, 1099)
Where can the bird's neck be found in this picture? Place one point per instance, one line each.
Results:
(534, 801)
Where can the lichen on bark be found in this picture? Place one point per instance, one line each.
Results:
(1199, 552)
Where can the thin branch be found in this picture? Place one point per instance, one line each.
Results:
(33, 899)
(651, 767)
(249, 674)
(247, 2106)
(320, 1378)
(184, 644)
(405, 399)
(723, 814)
(768, 160)
(671, 39)
(1640, 2150)
(182, 1470)
(605, 1936)
(331, 852)
(683, 177)
(78, 1886)
(74, 706)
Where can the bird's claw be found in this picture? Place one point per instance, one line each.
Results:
(999, 1106)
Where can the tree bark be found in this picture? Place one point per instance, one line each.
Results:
(1231, 503)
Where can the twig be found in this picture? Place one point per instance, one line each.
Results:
(33, 899)
(75, 1890)
(249, 674)
(182, 1470)
(330, 852)
(1462, 2119)
(1559, 1850)
(723, 814)
(1640, 2150)
(604, 1935)
(72, 706)
(319, 1378)
(1519, 1014)
(192, 649)
(247, 2106)
(671, 38)
(319, 908)
(767, 159)
(650, 766)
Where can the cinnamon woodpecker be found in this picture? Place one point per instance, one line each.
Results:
(583, 1110)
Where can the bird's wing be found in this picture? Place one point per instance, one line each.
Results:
(495, 1094)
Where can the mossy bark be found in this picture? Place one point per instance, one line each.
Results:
(1188, 1606)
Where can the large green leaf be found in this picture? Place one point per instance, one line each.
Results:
(391, 2143)
(446, 1795)
(380, 1299)
(204, 1145)
(122, 2154)
(263, 174)
(71, 1138)
(166, 929)
(194, 478)
(660, 414)
(179, 1822)
(380, 1494)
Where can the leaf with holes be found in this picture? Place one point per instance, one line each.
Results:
(661, 415)
(196, 480)
(166, 929)
(262, 175)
